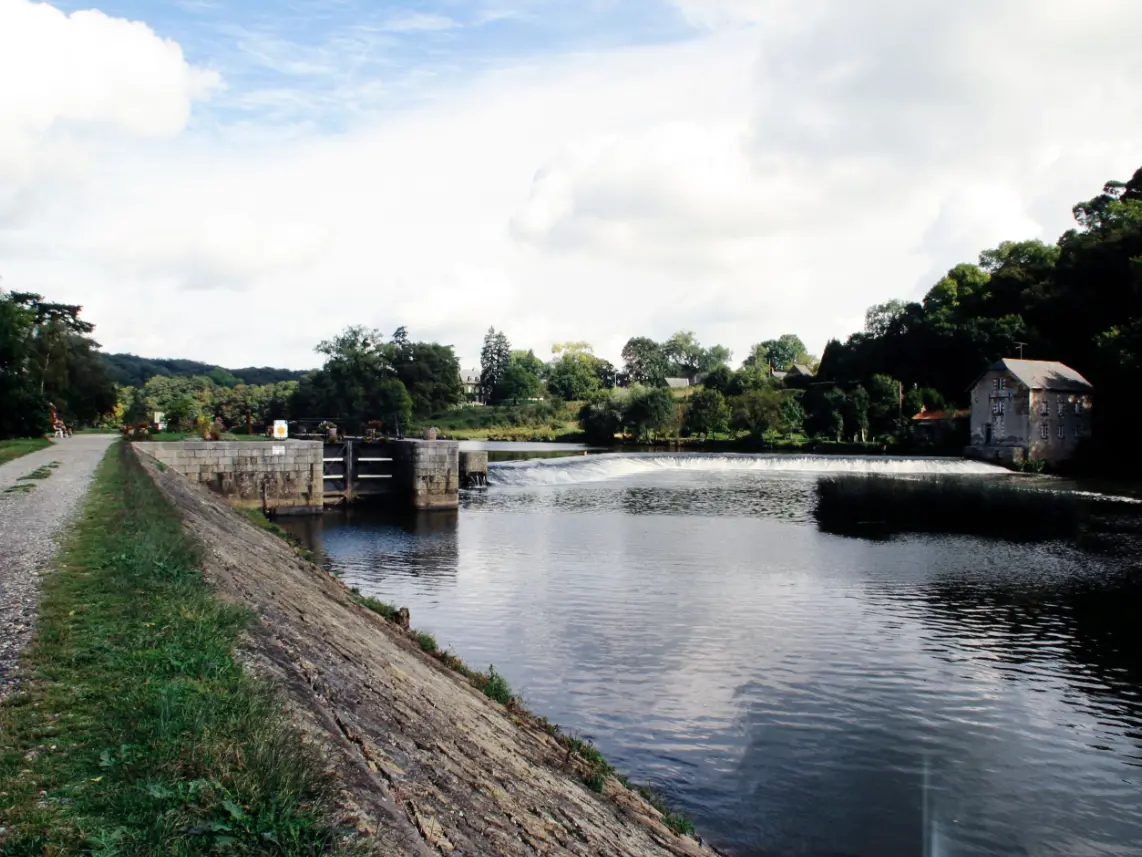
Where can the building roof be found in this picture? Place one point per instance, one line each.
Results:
(801, 369)
(927, 415)
(779, 375)
(1044, 375)
(470, 376)
(677, 383)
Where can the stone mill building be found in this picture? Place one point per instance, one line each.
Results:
(1029, 409)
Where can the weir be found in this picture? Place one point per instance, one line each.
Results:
(608, 466)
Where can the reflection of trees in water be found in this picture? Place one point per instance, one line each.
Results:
(1093, 620)
(373, 542)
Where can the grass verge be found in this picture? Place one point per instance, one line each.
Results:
(17, 447)
(137, 731)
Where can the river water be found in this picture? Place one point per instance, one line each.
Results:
(795, 692)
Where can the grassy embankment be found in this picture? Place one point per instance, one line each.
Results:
(137, 731)
(947, 504)
(17, 447)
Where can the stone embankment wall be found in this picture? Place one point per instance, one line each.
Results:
(282, 477)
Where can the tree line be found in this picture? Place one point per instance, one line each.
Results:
(575, 372)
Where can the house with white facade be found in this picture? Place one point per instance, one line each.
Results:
(1029, 409)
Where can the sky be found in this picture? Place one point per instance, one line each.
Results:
(234, 181)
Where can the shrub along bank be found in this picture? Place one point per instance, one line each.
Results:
(138, 731)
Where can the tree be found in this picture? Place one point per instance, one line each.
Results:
(430, 372)
(720, 378)
(757, 411)
(573, 376)
(517, 383)
(716, 356)
(358, 382)
(46, 356)
(494, 359)
(649, 410)
(602, 416)
(644, 361)
(792, 414)
(758, 356)
(879, 319)
(885, 404)
(784, 351)
(856, 413)
(706, 413)
(684, 354)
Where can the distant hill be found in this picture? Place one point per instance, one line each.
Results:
(132, 371)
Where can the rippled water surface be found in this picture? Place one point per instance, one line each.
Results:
(797, 693)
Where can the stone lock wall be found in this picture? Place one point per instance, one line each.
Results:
(284, 477)
(427, 472)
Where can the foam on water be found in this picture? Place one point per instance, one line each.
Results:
(610, 466)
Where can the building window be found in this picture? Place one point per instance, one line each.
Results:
(997, 406)
(1062, 407)
(1002, 384)
(1062, 431)
(1044, 430)
(995, 383)
(1078, 407)
(1045, 408)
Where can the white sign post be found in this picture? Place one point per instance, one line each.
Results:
(281, 429)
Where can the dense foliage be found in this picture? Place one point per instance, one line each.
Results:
(46, 359)
(1078, 301)
(366, 378)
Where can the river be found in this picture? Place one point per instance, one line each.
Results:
(794, 692)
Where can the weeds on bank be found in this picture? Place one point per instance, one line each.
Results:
(258, 519)
(18, 488)
(137, 732)
(41, 472)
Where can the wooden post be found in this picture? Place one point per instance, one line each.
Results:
(348, 463)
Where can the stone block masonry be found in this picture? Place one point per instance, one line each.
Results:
(427, 473)
(284, 477)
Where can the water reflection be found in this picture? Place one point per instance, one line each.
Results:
(796, 692)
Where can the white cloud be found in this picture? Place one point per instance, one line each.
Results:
(87, 69)
(413, 22)
(780, 172)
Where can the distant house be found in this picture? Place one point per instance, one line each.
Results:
(470, 378)
(677, 383)
(797, 370)
(938, 426)
(1029, 409)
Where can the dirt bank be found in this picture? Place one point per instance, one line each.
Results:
(428, 764)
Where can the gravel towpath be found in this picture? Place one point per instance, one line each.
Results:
(31, 520)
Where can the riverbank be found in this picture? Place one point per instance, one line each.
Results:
(10, 450)
(171, 621)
